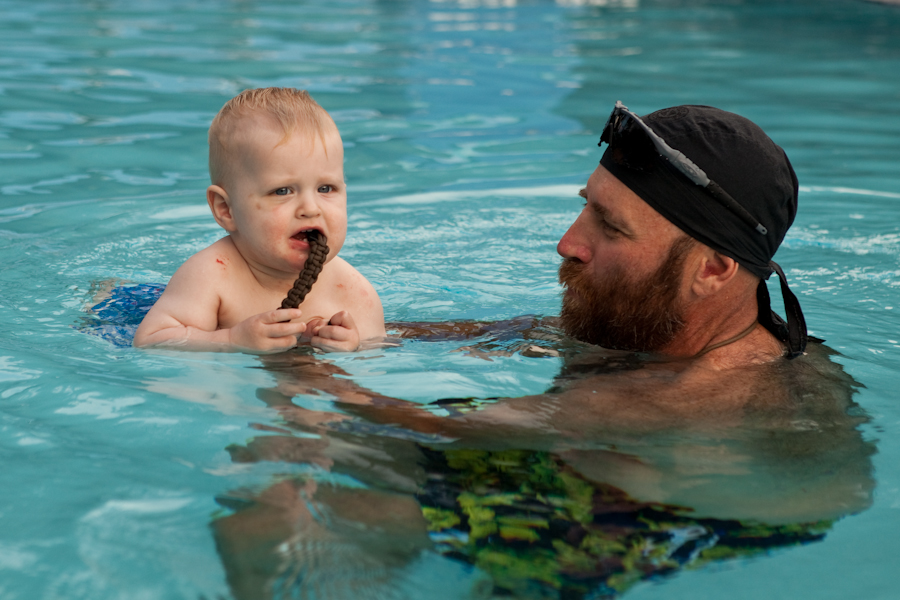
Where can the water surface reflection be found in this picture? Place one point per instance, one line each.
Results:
(563, 506)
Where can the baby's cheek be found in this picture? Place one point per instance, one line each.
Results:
(335, 243)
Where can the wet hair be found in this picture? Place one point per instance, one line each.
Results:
(294, 110)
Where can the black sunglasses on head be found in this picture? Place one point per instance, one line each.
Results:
(635, 146)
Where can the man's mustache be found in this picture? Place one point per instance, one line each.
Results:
(571, 271)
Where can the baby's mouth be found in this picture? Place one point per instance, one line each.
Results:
(305, 235)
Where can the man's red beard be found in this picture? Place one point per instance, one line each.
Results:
(621, 313)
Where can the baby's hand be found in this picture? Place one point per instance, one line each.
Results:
(338, 335)
(268, 332)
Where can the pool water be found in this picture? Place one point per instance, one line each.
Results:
(469, 126)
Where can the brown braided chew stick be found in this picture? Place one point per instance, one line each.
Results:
(318, 252)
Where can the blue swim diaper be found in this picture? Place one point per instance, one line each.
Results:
(116, 318)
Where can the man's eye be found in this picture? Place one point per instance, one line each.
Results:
(326, 189)
(609, 229)
(282, 191)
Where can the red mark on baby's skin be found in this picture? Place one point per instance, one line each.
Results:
(220, 261)
(340, 285)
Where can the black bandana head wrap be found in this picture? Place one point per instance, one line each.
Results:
(748, 165)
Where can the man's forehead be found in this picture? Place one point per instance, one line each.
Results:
(606, 193)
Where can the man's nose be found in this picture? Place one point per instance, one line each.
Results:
(574, 244)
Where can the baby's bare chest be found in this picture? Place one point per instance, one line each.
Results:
(238, 305)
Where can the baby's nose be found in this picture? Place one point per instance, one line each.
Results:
(307, 205)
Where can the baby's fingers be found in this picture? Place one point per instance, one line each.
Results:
(338, 335)
(333, 338)
(289, 328)
(343, 319)
(332, 332)
(281, 315)
(312, 328)
(315, 325)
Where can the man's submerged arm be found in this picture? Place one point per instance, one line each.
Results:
(528, 335)
(519, 327)
(509, 419)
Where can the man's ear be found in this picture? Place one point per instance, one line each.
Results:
(220, 205)
(713, 273)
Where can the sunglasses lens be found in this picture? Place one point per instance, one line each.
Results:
(630, 145)
(609, 129)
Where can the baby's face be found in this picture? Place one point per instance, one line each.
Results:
(282, 189)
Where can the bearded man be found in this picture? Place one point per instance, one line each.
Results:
(664, 273)
(671, 252)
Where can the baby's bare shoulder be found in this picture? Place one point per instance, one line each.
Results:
(193, 295)
(351, 290)
(208, 272)
(216, 259)
(343, 278)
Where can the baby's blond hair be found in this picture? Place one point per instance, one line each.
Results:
(293, 109)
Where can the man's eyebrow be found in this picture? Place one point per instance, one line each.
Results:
(607, 215)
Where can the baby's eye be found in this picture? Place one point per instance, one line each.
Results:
(326, 189)
(282, 191)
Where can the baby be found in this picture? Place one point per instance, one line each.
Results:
(276, 163)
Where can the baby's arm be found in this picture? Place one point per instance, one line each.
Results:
(186, 317)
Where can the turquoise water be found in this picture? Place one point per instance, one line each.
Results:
(469, 127)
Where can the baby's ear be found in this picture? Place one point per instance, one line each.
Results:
(218, 201)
